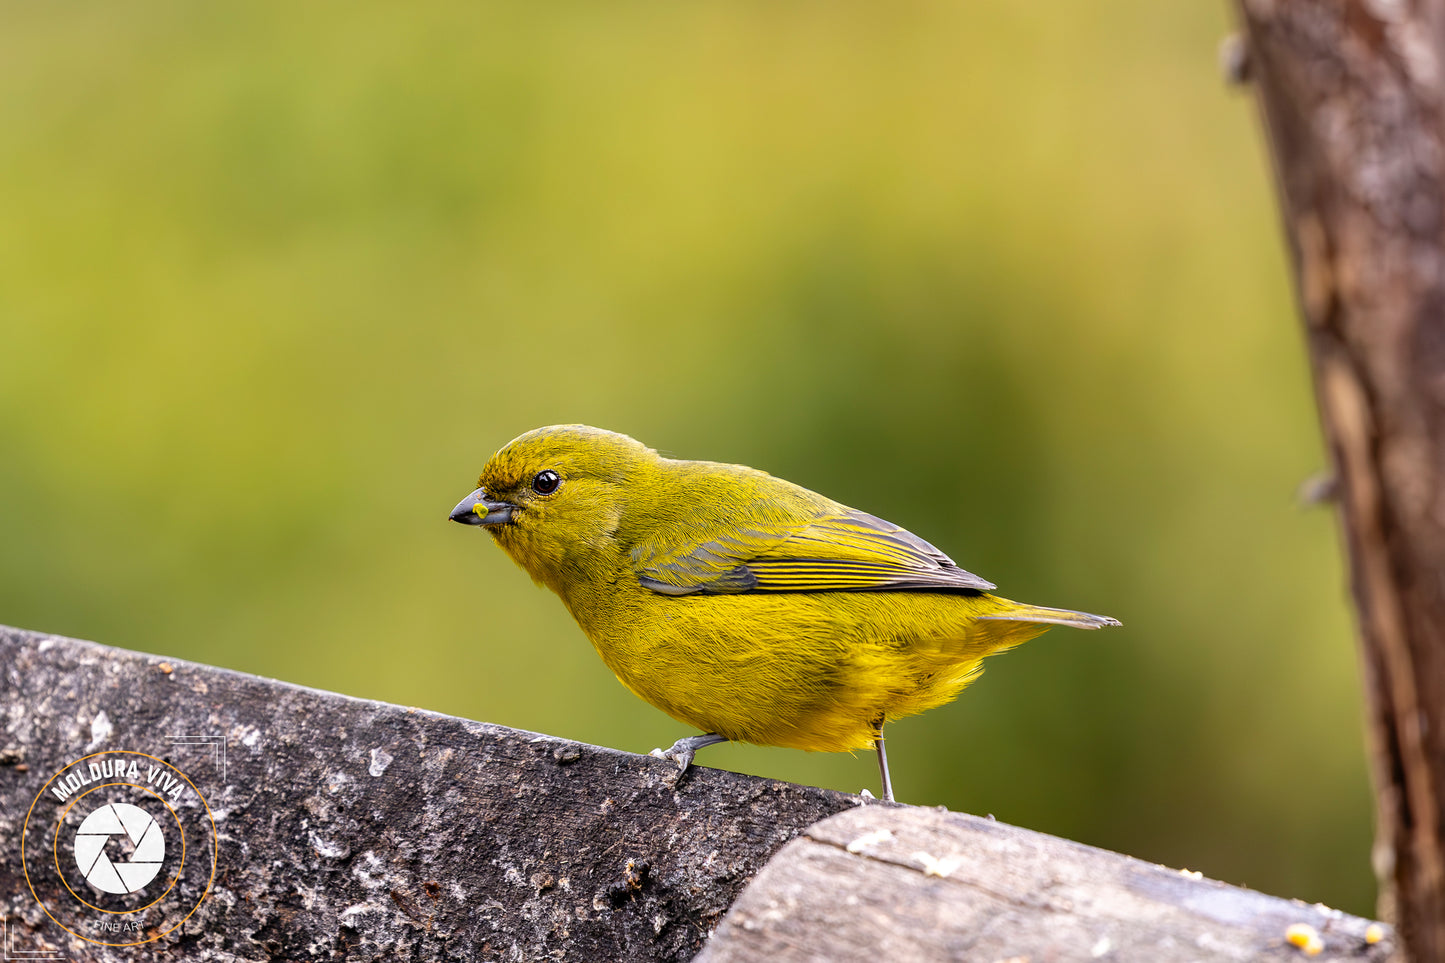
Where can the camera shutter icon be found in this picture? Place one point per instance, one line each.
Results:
(119, 819)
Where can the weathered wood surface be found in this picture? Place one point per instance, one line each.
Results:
(356, 830)
(904, 884)
(1353, 98)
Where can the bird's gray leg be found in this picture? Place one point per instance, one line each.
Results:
(882, 759)
(683, 750)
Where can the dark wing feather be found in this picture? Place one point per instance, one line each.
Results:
(843, 551)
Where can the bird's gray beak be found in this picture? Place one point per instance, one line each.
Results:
(478, 509)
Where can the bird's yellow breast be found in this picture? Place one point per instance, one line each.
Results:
(809, 671)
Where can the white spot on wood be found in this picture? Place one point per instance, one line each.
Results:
(100, 729)
(369, 870)
(932, 866)
(351, 916)
(869, 839)
(330, 848)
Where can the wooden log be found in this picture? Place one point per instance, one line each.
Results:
(356, 830)
(906, 883)
(346, 829)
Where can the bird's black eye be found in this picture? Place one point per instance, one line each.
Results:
(546, 482)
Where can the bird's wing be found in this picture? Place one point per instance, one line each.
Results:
(844, 551)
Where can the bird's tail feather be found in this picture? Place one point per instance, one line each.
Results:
(1042, 615)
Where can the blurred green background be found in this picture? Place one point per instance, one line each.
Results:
(275, 280)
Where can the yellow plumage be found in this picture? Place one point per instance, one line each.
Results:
(739, 603)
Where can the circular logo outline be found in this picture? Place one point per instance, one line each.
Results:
(215, 846)
(55, 848)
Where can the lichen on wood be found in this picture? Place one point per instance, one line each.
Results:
(358, 830)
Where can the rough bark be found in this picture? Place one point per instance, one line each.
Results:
(356, 830)
(912, 884)
(1350, 92)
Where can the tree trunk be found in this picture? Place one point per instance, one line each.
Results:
(1350, 92)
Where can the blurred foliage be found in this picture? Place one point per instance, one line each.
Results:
(276, 280)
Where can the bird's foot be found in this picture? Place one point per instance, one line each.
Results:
(679, 754)
(683, 750)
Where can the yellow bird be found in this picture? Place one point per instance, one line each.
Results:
(741, 604)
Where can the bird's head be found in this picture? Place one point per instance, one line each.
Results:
(553, 498)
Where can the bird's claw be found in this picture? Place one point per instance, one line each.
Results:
(684, 749)
(679, 753)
